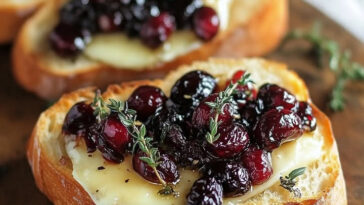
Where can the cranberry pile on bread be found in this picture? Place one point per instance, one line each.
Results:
(222, 131)
(70, 44)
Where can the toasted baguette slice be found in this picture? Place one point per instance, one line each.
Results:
(13, 13)
(322, 183)
(255, 27)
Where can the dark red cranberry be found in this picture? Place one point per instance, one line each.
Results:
(232, 141)
(206, 23)
(78, 119)
(276, 127)
(192, 88)
(243, 93)
(108, 152)
(109, 22)
(157, 29)
(67, 40)
(205, 191)
(174, 137)
(146, 100)
(306, 115)
(167, 169)
(250, 113)
(259, 165)
(193, 155)
(116, 134)
(274, 96)
(203, 113)
(233, 177)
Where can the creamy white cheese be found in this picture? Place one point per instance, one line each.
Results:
(120, 184)
(118, 50)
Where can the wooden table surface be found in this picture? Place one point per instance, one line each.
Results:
(19, 111)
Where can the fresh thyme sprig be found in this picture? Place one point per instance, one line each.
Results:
(100, 110)
(137, 130)
(288, 182)
(340, 63)
(218, 106)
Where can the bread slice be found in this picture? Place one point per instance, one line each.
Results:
(255, 27)
(13, 13)
(322, 183)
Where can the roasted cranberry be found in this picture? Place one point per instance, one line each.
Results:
(203, 113)
(146, 100)
(109, 22)
(67, 40)
(306, 115)
(205, 23)
(157, 29)
(116, 134)
(193, 155)
(274, 96)
(232, 141)
(250, 113)
(174, 137)
(107, 150)
(233, 176)
(191, 88)
(243, 93)
(167, 169)
(78, 119)
(205, 191)
(276, 127)
(259, 165)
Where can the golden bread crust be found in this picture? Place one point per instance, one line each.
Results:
(261, 34)
(53, 171)
(12, 16)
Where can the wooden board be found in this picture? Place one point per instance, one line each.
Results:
(19, 111)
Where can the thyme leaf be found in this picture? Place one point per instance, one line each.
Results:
(339, 62)
(217, 106)
(289, 183)
(136, 129)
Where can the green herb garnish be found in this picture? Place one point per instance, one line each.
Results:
(218, 106)
(288, 182)
(137, 130)
(340, 63)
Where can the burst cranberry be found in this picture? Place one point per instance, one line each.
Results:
(276, 127)
(203, 113)
(116, 134)
(259, 165)
(243, 93)
(67, 40)
(205, 23)
(109, 22)
(108, 152)
(306, 115)
(233, 176)
(167, 169)
(205, 191)
(274, 96)
(78, 119)
(193, 155)
(157, 29)
(174, 137)
(232, 141)
(250, 113)
(192, 88)
(146, 100)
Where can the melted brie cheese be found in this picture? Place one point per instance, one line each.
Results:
(120, 51)
(120, 184)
